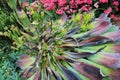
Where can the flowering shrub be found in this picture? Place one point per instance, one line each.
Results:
(73, 6)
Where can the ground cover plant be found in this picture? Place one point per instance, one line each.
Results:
(42, 48)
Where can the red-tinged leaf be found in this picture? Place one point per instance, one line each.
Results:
(65, 59)
(72, 32)
(110, 60)
(24, 73)
(102, 17)
(100, 29)
(45, 75)
(88, 70)
(82, 54)
(37, 75)
(27, 73)
(58, 77)
(116, 48)
(32, 71)
(64, 19)
(78, 55)
(25, 61)
(25, 56)
(94, 40)
(115, 75)
(69, 74)
(115, 36)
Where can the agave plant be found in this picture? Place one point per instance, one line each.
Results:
(60, 51)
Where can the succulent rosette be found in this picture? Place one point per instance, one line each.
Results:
(59, 50)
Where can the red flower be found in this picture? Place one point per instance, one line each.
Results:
(109, 10)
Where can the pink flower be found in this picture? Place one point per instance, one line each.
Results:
(71, 2)
(49, 6)
(66, 8)
(116, 3)
(24, 4)
(73, 6)
(60, 11)
(74, 11)
(89, 1)
(116, 9)
(84, 8)
(79, 1)
(109, 10)
(69, 12)
(90, 8)
(103, 1)
(61, 2)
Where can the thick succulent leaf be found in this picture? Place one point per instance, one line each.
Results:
(79, 55)
(58, 77)
(69, 74)
(115, 36)
(94, 40)
(29, 72)
(88, 70)
(100, 29)
(114, 74)
(116, 48)
(37, 75)
(82, 54)
(113, 28)
(111, 60)
(64, 19)
(110, 48)
(72, 32)
(102, 17)
(12, 4)
(25, 61)
(23, 19)
(65, 59)
(25, 74)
